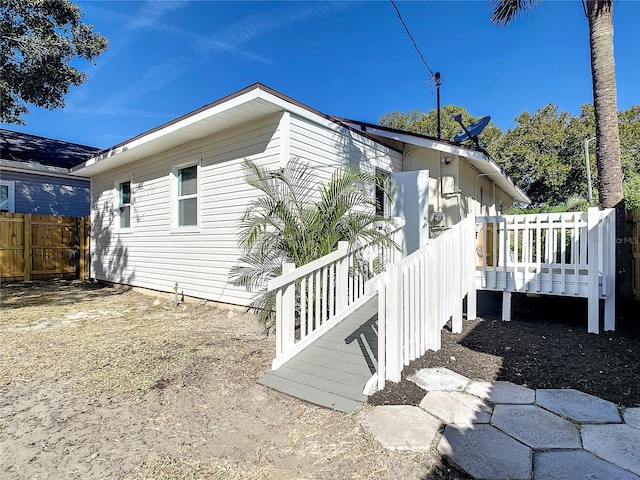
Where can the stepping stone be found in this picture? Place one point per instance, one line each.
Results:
(456, 408)
(561, 465)
(437, 379)
(618, 444)
(536, 427)
(578, 406)
(502, 392)
(402, 427)
(632, 417)
(485, 452)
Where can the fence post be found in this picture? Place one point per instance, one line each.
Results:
(593, 216)
(383, 281)
(393, 314)
(609, 270)
(286, 312)
(82, 270)
(470, 243)
(28, 255)
(342, 278)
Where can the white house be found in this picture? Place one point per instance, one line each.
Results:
(166, 203)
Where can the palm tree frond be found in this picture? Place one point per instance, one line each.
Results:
(505, 11)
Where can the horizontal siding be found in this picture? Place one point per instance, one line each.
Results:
(325, 149)
(150, 256)
(49, 195)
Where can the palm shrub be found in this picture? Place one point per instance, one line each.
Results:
(298, 219)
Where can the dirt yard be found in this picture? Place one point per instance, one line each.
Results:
(97, 382)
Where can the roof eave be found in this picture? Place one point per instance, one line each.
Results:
(471, 154)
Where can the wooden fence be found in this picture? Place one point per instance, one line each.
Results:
(38, 247)
(634, 238)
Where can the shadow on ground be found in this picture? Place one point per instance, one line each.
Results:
(52, 293)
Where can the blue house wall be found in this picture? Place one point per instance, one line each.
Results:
(48, 195)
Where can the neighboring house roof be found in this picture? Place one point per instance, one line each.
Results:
(257, 101)
(32, 153)
(476, 157)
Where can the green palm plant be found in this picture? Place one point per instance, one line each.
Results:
(298, 219)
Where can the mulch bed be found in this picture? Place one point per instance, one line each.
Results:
(545, 345)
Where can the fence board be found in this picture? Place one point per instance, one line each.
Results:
(34, 246)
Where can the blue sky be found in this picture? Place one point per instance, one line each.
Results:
(351, 59)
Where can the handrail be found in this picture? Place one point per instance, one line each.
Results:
(419, 294)
(560, 253)
(304, 270)
(314, 297)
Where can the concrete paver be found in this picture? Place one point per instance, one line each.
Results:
(631, 417)
(618, 444)
(502, 392)
(578, 406)
(485, 452)
(456, 408)
(525, 425)
(566, 464)
(439, 379)
(536, 427)
(402, 427)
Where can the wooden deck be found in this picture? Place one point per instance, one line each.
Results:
(333, 370)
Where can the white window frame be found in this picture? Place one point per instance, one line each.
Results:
(119, 205)
(173, 178)
(12, 194)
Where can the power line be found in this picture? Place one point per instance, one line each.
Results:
(415, 45)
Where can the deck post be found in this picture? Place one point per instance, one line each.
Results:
(382, 330)
(593, 217)
(609, 270)
(506, 306)
(471, 265)
(393, 314)
(342, 279)
(285, 313)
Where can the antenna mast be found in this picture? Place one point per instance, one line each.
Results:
(436, 77)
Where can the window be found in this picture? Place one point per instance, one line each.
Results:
(382, 182)
(7, 196)
(124, 204)
(187, 196)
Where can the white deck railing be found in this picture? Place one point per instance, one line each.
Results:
(420, 294)
(314, 297)
(567, 254)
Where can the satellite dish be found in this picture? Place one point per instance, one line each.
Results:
(472, 131)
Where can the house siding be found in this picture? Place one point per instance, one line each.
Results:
(47, 195)
(325, 149)
(152, 255)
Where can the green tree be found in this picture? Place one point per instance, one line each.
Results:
(543, 154)
(298, 219)
(599, 15)
(39, 41)
(416, 121)
(629, 127)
